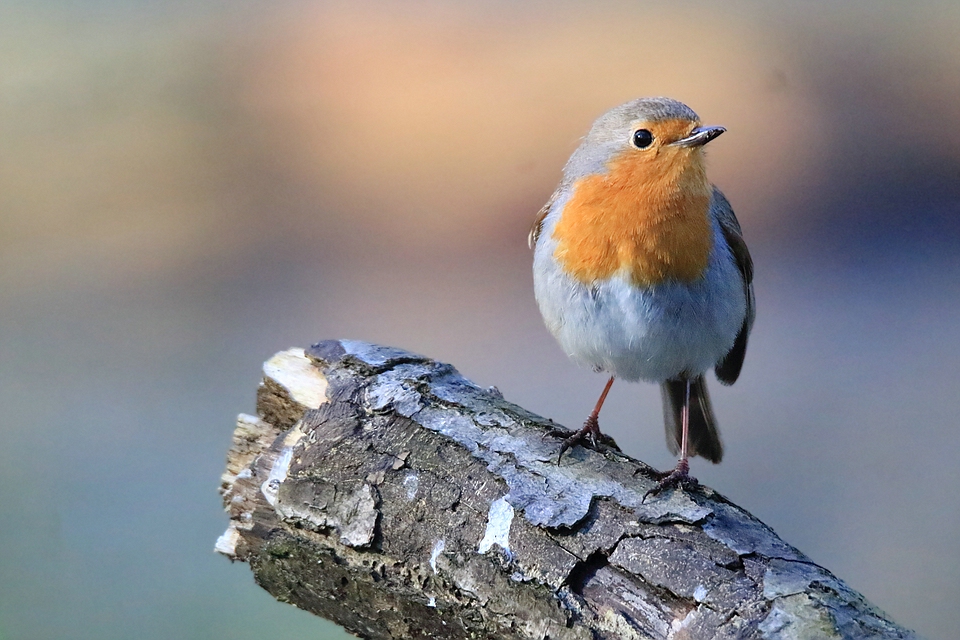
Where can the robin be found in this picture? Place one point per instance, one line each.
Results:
(640, 269)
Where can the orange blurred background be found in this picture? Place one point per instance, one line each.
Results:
(186, 188)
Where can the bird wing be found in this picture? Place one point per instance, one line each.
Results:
(537, 227)
(729, 368)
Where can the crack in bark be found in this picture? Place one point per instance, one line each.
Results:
(585, 570)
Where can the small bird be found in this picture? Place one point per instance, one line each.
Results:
(640, 269)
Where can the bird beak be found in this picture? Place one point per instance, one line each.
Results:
(699, 137)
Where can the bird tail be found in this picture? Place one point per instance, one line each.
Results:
(703, 435)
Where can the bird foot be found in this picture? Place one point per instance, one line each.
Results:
(587, 436)
(678, 478)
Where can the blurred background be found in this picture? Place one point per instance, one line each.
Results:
(188, 187)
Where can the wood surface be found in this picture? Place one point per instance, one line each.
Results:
(383, 491)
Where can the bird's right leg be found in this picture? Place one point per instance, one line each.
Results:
(591, 428)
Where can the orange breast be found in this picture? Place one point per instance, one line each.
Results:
(647, 217)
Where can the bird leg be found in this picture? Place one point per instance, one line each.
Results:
(680, 476)
(591, 428)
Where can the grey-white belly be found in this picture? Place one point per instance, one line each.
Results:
(650, 333)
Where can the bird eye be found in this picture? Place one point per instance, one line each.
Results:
(642, 138)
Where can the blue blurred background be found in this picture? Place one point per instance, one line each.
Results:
(187, 188)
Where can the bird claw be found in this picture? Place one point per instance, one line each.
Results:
(587, 436)
(554, 431)
(679, 478)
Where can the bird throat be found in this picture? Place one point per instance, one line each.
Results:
(647, 218)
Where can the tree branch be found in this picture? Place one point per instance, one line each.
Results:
(382, 490)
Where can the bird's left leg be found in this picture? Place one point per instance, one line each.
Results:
(680, 476)
(591, 428)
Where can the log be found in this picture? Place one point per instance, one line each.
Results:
(383, 491)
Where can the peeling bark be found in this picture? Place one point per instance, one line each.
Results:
(383, 491)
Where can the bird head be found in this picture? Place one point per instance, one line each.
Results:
(653, 135)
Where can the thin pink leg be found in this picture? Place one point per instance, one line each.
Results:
(685, 421)
(680, 476)
(591, 428)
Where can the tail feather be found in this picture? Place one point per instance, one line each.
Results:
(703, 434)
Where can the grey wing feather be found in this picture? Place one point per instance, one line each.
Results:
(728, 370)
(537, 227)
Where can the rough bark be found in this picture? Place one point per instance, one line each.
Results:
(383, 491)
